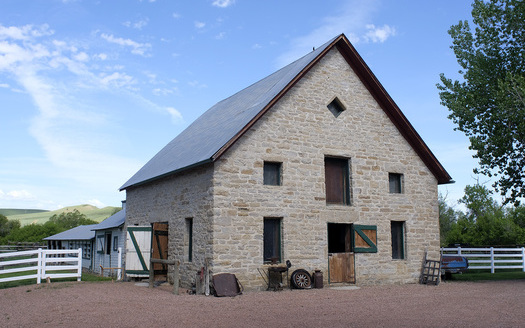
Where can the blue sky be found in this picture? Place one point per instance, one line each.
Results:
(91, 90)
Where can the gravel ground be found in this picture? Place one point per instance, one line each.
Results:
(124, 304)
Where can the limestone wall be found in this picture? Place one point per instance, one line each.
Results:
(300, 131)
(175, 199)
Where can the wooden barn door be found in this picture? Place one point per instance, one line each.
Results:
(160, 246)
(138, 251)
(341, 267)
(341, 260)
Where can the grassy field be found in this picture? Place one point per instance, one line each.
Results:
(40, 217)
(480, 275)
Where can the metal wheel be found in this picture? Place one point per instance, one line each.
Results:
(301, 279)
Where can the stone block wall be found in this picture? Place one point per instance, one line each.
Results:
(299, 131)
(174, 199)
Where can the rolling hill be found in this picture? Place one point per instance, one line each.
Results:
(40, 216)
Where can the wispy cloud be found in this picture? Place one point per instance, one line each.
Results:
(16, 195)
(353, 20)
(138, 24)
(136, 47)
(71, 124)
(223, 3)
(199, 24)
(378, 34)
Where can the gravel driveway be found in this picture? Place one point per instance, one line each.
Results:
(124, 304)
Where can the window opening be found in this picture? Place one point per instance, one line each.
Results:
(115, 243)
(108, 243)
(272, 240)
(336, 107)
(189, 239)
(398, 240)
(272, 173)
(395, 181)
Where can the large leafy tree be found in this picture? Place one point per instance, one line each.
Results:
(488, 104)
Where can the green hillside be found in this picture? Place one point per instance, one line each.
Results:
(41, 217)
(13, 211)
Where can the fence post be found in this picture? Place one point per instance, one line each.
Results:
(459, 250)
(523, 258)
(119, 264)
(79, 264)
(492, 260)
(39, 267)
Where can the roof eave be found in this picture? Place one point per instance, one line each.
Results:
(126, 186)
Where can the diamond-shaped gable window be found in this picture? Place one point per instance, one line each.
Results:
(336, 107)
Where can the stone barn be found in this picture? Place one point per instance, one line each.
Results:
(315, 164)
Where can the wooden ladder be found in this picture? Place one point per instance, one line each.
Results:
(430, 271)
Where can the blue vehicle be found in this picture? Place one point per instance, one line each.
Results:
(452, 264)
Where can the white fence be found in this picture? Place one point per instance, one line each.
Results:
(490, 257)
(48, 264)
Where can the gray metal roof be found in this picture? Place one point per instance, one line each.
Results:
(114, 221)
(200, 141)
(83, 232)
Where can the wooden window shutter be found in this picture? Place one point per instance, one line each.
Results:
(364, 238)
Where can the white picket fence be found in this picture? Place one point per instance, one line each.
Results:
(48, 264)
(490, 257)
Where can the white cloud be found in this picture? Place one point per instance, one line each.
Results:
(379, 34)
(162, 91)
(220, 36)
(223, 3)
(4, 85)
(176, 15)
(16, 195)
(176, 116)
(117, 79)
(199, 25)
(138, 24)
(25, 32)
(197, 84)
(136, 47)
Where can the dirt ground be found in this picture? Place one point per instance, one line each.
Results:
(124, 304)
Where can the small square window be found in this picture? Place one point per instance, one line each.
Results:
(272, 173)
(395, 183)
(336, 107)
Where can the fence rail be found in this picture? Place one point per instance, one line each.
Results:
(41, 264)
(490, 257)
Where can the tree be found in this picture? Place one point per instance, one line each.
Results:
(69, 220)
(6, 226)
(488, 105)
(485, 222)
(448, 216)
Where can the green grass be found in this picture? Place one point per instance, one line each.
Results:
(91, 212)
(85, 277)
(484, 275)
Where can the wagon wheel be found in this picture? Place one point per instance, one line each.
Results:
(301, 279)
